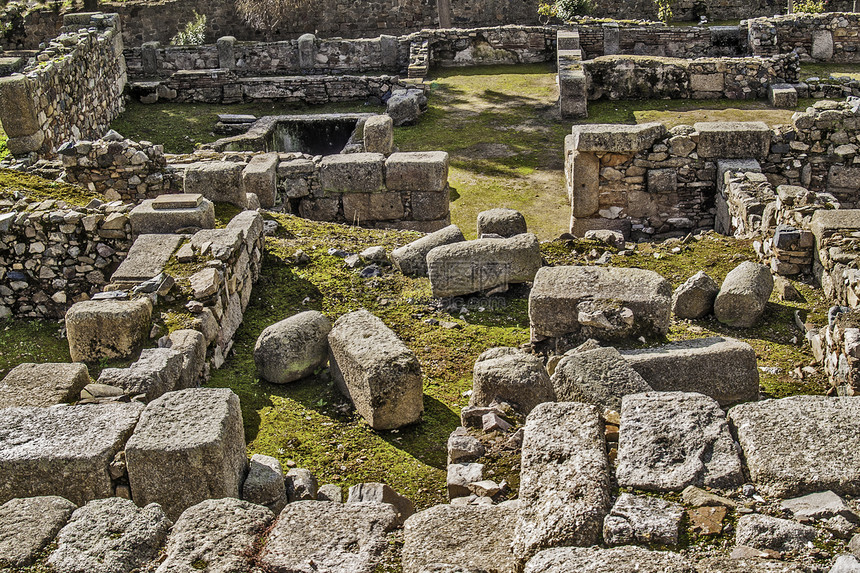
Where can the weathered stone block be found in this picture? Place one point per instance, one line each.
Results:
(782, 95)
(600, 377)
(766, 532)
(188, 446)
(379, 135)
(191, 344)
(708, 82)
(503, 222)
(218, 181)
(513, 376)
(822, 45)
(411, 258)
(567, 39)
(417, 171)
(62, 451)
(744, 295)
(352, 173)
(617, 138)
(28, 525)
(19, 115)
(584, 181)
(662, 180)
(572, 87)
(157, 371)
(626, 558)
(265, 484)
(363, 207)
(292, 348)
(694, 298)
(226, 55)
(148, 256)
(260, 177)
(43, 385)
(733, 139)
(826, 221)
(107, 328)
(376, 371)
(430, 205)
(643, 519)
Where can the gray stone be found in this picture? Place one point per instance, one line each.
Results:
(192, 345)
(510, 375)
(460, 476)
(107, 328)
(363, 207)
(669, 440)
(564, 481)
(330, 492)
(733, 139)
(218, 535)
(471, 537)
(639, 519)
(694, 298)
(822, 44)
(820, 505)
(146, 258)
(826, 220)
(28, 525)
(846, 564)
(260, 177)
(376, 371)
(327, 536)
(484, 264)
(782, 95)
(218, 181)
(43, 385)
(662, 180)
(352, 173)
(800, 444)
(613, 560)
(150, 218)
(606, 236)
(157, 371)
(411, 258)
(381, 493)
(743, 295)
(561, 294)
(264, 484)
(504, 222)
(293, 348)
(600, 377)
(403, 108)
(188, 446)
(379, 135)
(110, 536)
(617, 138)
(63, 451)
(417, 171)
(301, 485)
(492, 422)
(463, 448)
(725, 369)
(697, 497)
(766, 532)
(752, 564)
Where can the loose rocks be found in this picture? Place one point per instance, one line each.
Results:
(158, 371)
(600, 377)
(381, 493)
(615, 560)
(28, 525)
(743, 296)
(264, 484)
(694, 298)
(765, 532)
(503, 222)
(301, 485)
(510, 375)
(292, 348)
(411, 258)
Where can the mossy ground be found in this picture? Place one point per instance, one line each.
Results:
(3, 149)
(37, 188)
(827, 70)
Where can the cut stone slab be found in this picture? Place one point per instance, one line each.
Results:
(743, 295)
(613, 560)
(643, 520)
(157, 371)
(801, 444)
(188, 446)
(192, 345)
(725, 369)
(694, 298)
(733, 139)
(617, 138)
(600, 377)
(63, 451)
(381, 493)
(741, 564)
(460, 476)
(151, 217)
(503, 222)
(177, 201)
(669, 440)
(484, 264)
(472, 537)
(819, 505)
(782, 95)
(463, 448)
(352, 173)
(43, 385)
(376, 371)
(293, 348)
(110, 536)
(146, 258)
(220, 243)
(28, 525)
(411, 258)
(826, 221)
(99, 329)
(217, 535)
(218, 181)
(260, 177)
(564, 481)
(332, 537)
(561, 295)
(379, 134)
(510, 375)
(417, 171)
(766, 532)
(265, 483)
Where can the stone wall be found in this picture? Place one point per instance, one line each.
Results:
(23, 30)
(692, 10)
(52, 254)
(656, 39)
(829, 37)
(72, 91)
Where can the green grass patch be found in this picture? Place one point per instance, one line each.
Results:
(825, 71)
(38, 188)
(31, 341)
(4, 150)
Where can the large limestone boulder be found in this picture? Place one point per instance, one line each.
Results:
(725, 369)
(600, 377)
(472, 537)
(599, 302)
(191, 344)
(43, 385)
(188, 446)
(28, 525)
(110, 536)
(694, 298)
(766, 532)
(293, 348)
(564, 481)
(335, 537)
(417, 171)
(484, 264)
(744, 294)
(669, 440)
(411, 259)
(218, 181)
(99, 329)
(801, 444)
(376, 371)
(499, 221)
(644, 520)
(63, 451)
(510, 375)
(157, 371)
(614, 560)
(217, 535)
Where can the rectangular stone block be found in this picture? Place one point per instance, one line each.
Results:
(430, 205)
(177, 201)
(99, 329)
(352, 173)
(43, 385)
(417, 171)
(585, 183)
(573, 92)
(618, 138)
(146, 258)
(581, 225)
(826, 222)
(218, 181)
(567, 39)
(737, 165)
(146, 218)
(17, 112)
(64, 451)
(662, 180)
(782, 95)
(733, 139)
(359, 208)
(260, 177)
(707, 82)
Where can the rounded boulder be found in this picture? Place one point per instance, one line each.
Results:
(292, 348)
(744, 294)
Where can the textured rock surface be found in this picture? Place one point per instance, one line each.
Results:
(564, 482)
(600, 377)
(510, 375)
(326, 536)
(819, 505)
(614, 560)
(188, 446)
(725, 369)
(411, 259)
(694, 298)
(292, 348)
(504, 222)
(669, 440)
(99, 329)
(471, 537)
(192, 345)
(110, 536)
(752, 565)
(157, 371)
(28, 525)
(62, 451)
(460, 476)
(801, 444)
(381, 493)
(376, 371)
(217, 535)
(463, 448)
(766, 532)
(743, 295)
(43, 385)
(301, 485)
(639, 519)
(264, 484)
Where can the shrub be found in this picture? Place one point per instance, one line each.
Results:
(664, 10)
(194, 33)
(810, 6)
(569, 9)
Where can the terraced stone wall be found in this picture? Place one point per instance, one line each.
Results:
(828, 37)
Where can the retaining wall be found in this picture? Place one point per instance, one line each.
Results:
(829, 37)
